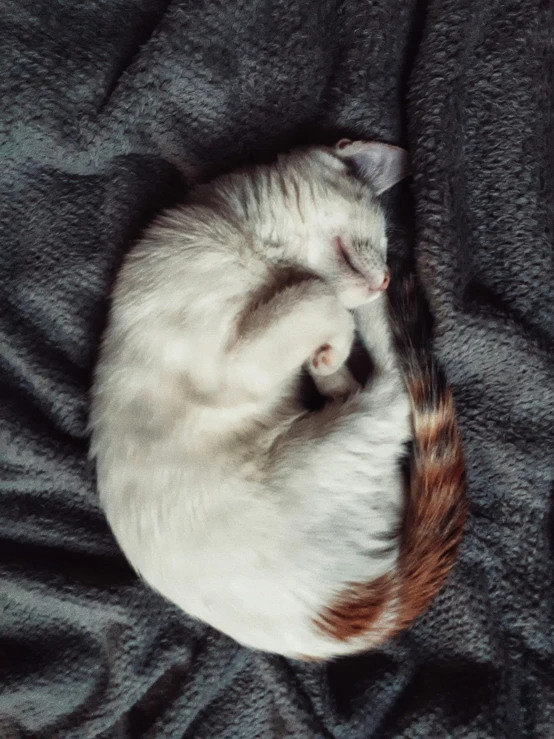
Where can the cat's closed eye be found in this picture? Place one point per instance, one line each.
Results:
(376, 282)
(344, 255)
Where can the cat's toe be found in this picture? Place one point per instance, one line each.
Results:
(326, 360)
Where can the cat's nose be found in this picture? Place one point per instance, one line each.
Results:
(386, 281)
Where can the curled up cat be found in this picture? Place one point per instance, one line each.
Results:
(292, 530)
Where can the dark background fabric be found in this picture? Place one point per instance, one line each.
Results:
(109, 110)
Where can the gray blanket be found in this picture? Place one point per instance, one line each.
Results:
(109, 110)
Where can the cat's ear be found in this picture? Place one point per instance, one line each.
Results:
(381, 165)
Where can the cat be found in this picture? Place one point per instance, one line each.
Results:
(291, 530)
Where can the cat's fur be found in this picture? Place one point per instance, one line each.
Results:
(285, 528)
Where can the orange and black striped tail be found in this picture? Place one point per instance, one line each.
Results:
(435, 508)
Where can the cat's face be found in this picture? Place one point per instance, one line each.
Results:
(340, 232)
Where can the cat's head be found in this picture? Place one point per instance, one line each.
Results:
(341, 224)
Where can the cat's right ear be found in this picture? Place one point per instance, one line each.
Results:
(381, 165)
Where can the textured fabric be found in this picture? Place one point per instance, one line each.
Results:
(110, 108)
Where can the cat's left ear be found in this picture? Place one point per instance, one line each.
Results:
(381, 165)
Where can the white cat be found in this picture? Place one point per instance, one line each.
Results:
(285, 528)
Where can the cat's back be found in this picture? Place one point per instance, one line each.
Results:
(155, 421)
(178, 294)
(160, 387)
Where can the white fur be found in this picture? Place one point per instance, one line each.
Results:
(224, 493)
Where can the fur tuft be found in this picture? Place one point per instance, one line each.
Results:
(360, 605)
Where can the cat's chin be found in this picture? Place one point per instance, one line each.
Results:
(352, 299)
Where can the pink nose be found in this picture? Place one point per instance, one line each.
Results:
(386, 281)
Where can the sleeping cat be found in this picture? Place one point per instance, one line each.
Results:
(291, 530)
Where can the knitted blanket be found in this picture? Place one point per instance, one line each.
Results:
(110, 110)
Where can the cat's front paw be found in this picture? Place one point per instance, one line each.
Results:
(327, 360)
(329, 357)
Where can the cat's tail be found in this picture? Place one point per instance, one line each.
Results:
(366, 614)
(435, 507)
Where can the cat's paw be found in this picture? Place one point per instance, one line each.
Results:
(327, 359)
(338, 386)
